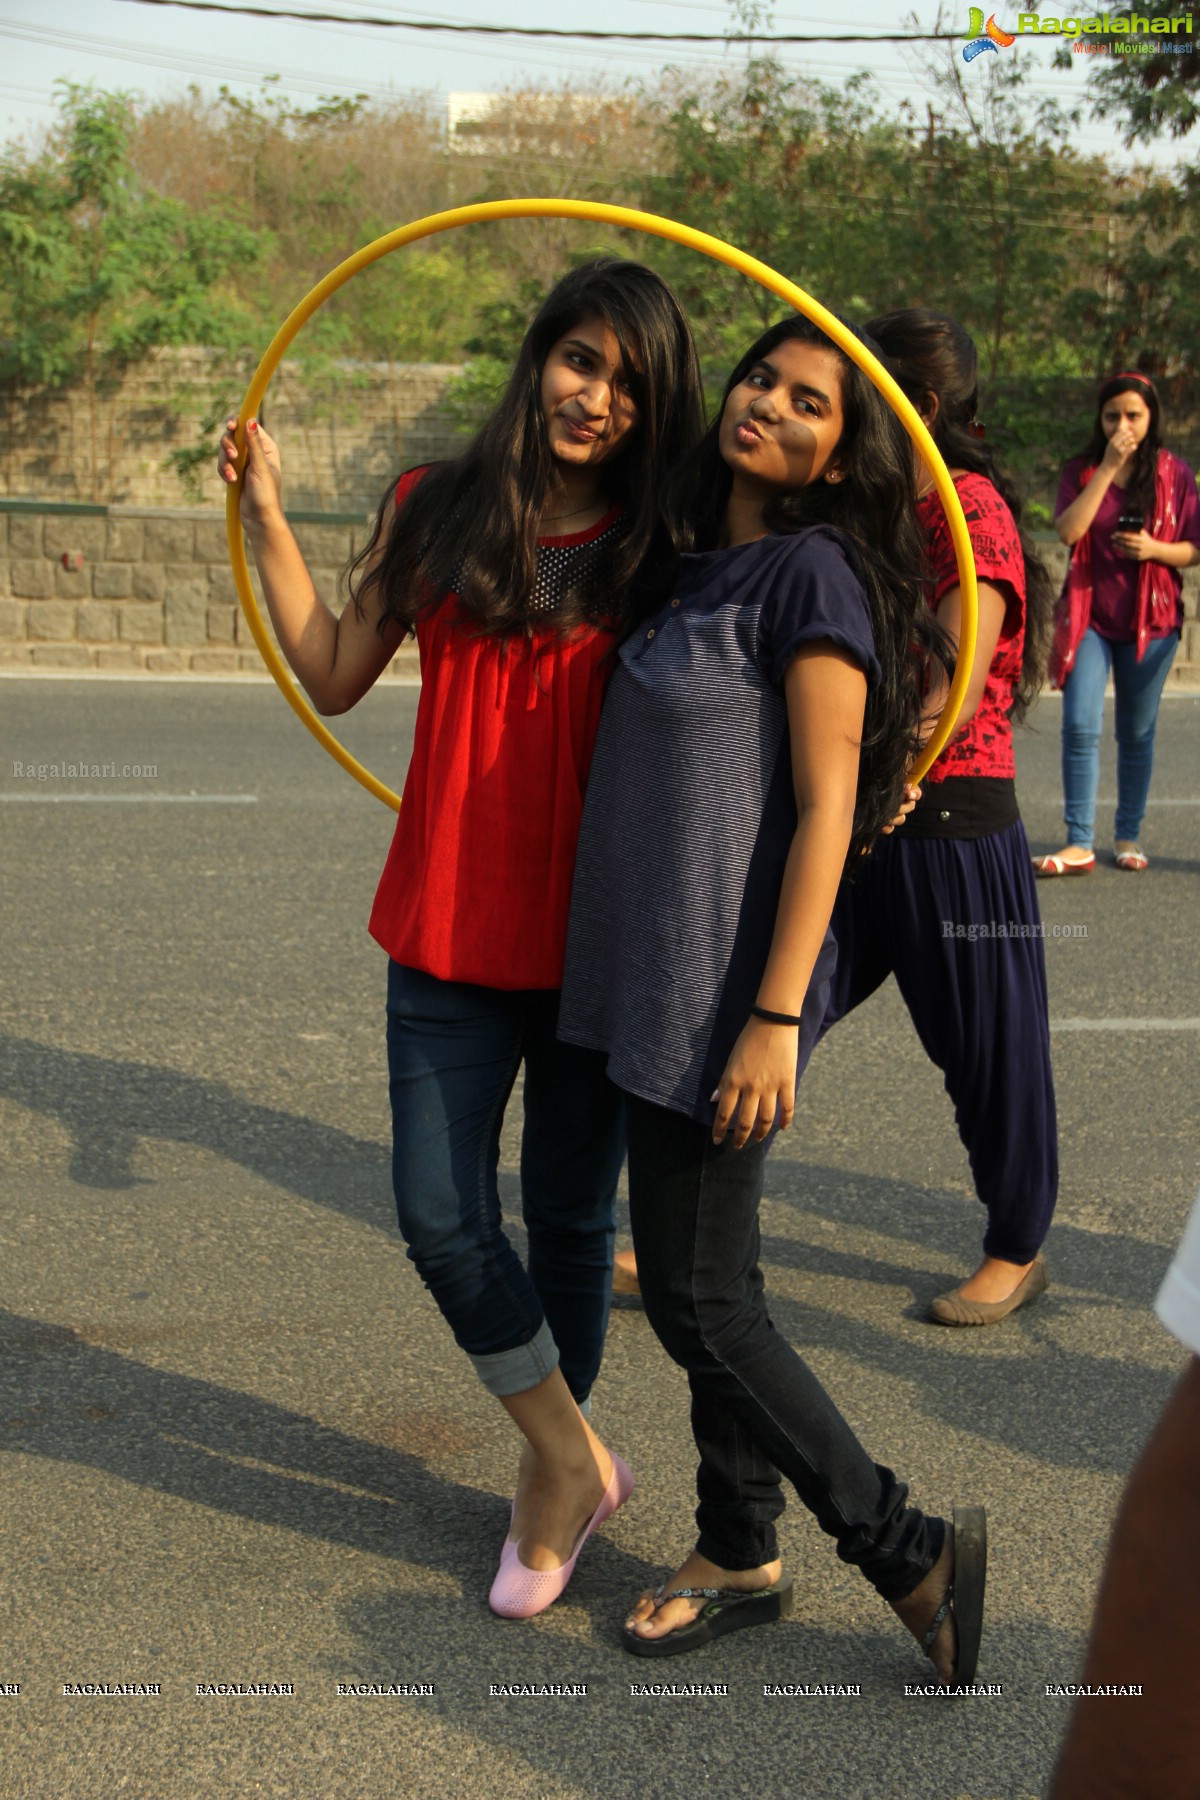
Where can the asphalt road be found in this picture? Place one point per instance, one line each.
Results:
(240, 1446)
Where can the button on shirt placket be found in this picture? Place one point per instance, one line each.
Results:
(655, 629)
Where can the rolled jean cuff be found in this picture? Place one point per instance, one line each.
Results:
(524, 1366)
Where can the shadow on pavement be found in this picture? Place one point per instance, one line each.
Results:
(1063, 1407)
(109, 1107)
(1120, 1269)
(67, 1400)
(614, 1743)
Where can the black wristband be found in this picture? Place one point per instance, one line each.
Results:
(773, 1018)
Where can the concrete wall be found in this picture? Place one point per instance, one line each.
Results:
(127, 587)
(349, 427)
(342, 441)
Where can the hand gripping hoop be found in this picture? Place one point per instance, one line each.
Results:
(630, 220)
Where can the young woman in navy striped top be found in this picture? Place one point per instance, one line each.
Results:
(756, 737)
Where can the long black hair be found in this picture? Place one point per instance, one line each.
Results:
(471, 524)
(1139, 489)
(874, 506)
(933, 354)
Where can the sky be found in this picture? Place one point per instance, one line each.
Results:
(161, 49)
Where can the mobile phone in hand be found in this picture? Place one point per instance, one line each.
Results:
(1130, 521)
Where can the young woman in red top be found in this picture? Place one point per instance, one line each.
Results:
(518, 565)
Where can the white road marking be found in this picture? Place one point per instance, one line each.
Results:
(131, 799)
(1125, 1024)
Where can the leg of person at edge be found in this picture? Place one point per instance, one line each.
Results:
(1132, 1732)
(699, 952)
(517, 606)
(1128, 509)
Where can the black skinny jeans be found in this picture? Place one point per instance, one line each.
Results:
(757, 1408)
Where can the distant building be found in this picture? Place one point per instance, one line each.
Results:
(551, 123)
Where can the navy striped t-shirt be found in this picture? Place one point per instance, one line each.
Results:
(690, 811)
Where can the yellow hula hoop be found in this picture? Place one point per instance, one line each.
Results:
(632, 220)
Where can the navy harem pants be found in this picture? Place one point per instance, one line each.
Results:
(977, 998)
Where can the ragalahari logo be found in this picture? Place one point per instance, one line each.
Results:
(984, 37)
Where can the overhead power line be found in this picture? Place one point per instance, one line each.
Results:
(545, 31)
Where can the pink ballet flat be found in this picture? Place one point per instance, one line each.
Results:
(520, 1593)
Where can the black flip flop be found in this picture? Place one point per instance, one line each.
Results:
(964, 1597)
(727, 1609)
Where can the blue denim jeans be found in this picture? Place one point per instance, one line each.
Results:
(757, 1408)
(453, 1055)
(1139, 687)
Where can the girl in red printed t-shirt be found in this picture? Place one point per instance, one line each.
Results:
(947, 904)
(518, 565)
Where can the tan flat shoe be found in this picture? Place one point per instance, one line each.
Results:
(953, 1309)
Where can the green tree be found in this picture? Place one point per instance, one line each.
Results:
(96, 269)
(1149, 313)
(982, 208)
(759, 159)
(1150, 94)
(1016, 222)
(314, 183)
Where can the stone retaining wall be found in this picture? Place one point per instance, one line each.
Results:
(343, 440)
(131, 588)
(125, 587)
(347, 427)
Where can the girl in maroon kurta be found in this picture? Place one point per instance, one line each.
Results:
(1128, 509)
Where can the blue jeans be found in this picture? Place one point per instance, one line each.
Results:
(757, 1408)
(1139, 687)
(453, 1055)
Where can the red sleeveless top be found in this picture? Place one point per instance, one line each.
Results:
(477, 883)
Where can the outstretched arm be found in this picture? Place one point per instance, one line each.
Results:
(337, 657)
